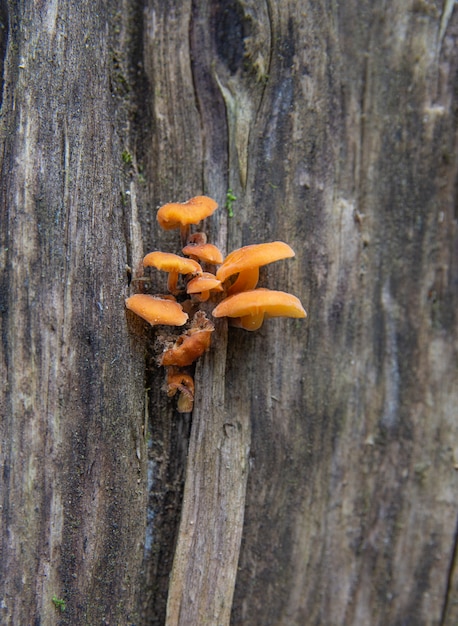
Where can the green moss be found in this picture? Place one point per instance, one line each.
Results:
(59, 603)
(127, 157)
(230, 199)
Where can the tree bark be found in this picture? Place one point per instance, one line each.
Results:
(330, 442)
(73, 446)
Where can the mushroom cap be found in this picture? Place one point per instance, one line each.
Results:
(206, 252)
(260, 301)
(205, 282)
(179, 381)
(177, 214)
(256, 255)
(157, 310)
(190, 345)
(168, 262)
(187, 349)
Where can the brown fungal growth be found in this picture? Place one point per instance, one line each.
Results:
(182, 214)
(157, 310)
(198, 239)
(249, 308)
(173, 264)
(190, 345)
(246, 262)
(179, 381)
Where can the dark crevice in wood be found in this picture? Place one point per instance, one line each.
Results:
(229, 28)
(264, 80)
(212, 117)
(168, 437)
(450, 592)
(131, 91)
(141, 115)
(197, 100)
(4, 32)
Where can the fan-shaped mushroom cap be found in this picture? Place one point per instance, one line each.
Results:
(203, 284)
(172, 263)
(168, 262)
(179, 214)
(156, 310)
(206, 252)
(249, 307)
(246, 262)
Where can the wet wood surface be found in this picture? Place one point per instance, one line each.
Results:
(316, 480)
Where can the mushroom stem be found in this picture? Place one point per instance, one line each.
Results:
(185, 402)
(172, 282)
(185, 234)
(197, 239)
(246, 280)
(250, 322)
(184, 384)
(203, 296)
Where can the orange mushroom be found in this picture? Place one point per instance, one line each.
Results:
(249, 308)
(246, 262)
(191, 345)
(202, 285)
(157, 310)
(182, 214)
(207, 252)
(184, 384)
(173, 264)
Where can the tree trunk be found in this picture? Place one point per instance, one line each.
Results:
(316, 480)
(73, 444)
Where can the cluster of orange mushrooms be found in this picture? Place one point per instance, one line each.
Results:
(239, 300)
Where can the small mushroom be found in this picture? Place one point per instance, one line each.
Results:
(173, 264)
(182, 214)
(191, 344)
(249, 308)
(197, 239)
(207, 253)
(157, 310)
(184, 384)
(202, 285)
(246, 262)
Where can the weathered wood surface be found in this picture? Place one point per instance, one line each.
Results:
(73, 451)
(335, 125)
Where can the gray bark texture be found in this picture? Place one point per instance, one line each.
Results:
(316, 481)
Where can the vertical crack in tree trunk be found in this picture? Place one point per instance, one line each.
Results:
(229, 82)
(450, 592)
(206, 557)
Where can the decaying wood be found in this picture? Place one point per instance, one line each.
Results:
(334, 126)
(73, 449)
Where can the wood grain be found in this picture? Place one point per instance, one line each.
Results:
(324, 451)
(73, 449)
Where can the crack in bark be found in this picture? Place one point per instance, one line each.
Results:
(4, 35)
(448, 598)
